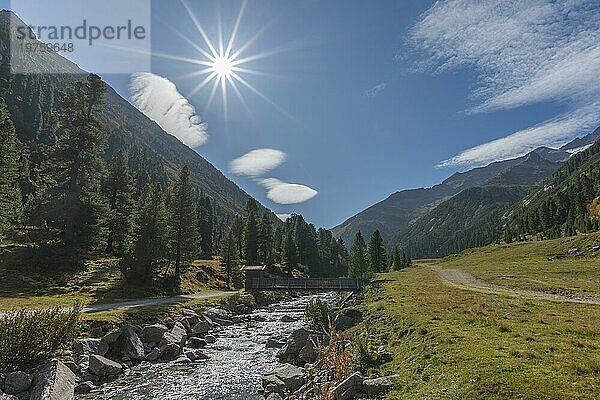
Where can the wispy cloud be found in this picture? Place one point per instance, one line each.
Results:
(159, 99)
(375, 90)
(257, 162)
(552, 133)
(287, 193)
(522, 52)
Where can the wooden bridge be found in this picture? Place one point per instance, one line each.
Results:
(313, 284)
(258, 280)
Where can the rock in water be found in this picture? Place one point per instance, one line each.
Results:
(129, 344)
(103, 367)
(17, 382)
(283, 380)
(55, 381)
(153, 333)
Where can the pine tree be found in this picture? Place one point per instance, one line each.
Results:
(397, 259)
(289, 259)
(344, 258)
(206, 226)
(78, 165)
(265, 240)
(185, 237)
(251, 234)
(377, 254)
(359, 265)
(10, 196)
(120, 190)
(229, 258)
(151, 236)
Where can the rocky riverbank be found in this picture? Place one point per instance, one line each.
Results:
(318, 365)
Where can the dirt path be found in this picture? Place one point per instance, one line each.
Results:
(152, 302)
(466, 281)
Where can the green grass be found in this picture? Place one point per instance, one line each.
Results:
(450, 343)
(34, 282)
(543, 265)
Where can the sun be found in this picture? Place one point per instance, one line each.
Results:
(222, 66)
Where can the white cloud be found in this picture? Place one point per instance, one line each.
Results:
(375, 90)
(159, 99)
(523, 52)
(283, 217)
(287, 193)
(551, 133)
(257, 162)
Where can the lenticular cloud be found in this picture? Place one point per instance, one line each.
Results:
(159, 99)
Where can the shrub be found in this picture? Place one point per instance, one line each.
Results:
(30, 337)
(364, 357)
(336, 357)
(317, 315)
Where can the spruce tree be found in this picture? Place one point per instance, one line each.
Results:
(78, 166)
(289, 258)
(265, 240)
(10, 196)
(229, 258)
(151, 236)
(251, 234)
(359, 264)
(377, 254)
(206, 226)
(185, 236)
(120, 191)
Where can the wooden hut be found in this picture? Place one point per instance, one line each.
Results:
(252, 272)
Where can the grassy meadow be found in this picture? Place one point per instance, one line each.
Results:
(452, 343)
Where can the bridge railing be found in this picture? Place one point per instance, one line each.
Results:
(278, 283)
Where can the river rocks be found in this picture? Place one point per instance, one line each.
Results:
(210, 339)
(54, 381)
(347, 318)
(90, 346)
(103, 367)
(153, 333)
(219, 316)
(377, 386)
(349, 388)
(17, 382)
(182, 360)
(201, 328)
(153, 355)
(283, 380)
(196, 343)
(287, 318)
(275, 341)
(170, 351)
(128, 344)
(299, 349)
(274, 396)
(85, 387)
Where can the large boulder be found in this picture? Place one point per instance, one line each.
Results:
(177, 335)
(349, 387)
(17, 382)
(299, 349)
(153, 333)
(201, 328)
(90, 346)
(283, 380)
(55, 381)
(219, 316)
(378, 386)
(128, 344)
(103, 367)
(347, 318)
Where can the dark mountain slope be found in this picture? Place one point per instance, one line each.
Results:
(32, 101)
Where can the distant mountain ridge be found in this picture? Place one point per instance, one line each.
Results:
(394, 214)
(31, 100)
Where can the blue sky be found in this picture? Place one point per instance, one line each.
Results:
(368, 98)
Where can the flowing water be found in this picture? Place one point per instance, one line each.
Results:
(233, 372)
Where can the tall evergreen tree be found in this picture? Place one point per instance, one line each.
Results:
(359, 264)
(10, 196)
(265, 240)
(229, 258)
(120, 191)
(206, 226)
(251, 234)
(377, 254)
(151, 236)
(185, 237)
(78, 164)
(289, 259)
